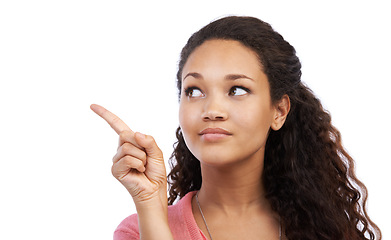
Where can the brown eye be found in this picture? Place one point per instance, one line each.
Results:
(193, 92)
(238, 91)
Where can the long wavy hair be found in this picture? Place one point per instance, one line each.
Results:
(308, 176)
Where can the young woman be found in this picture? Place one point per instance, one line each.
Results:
(257, 156)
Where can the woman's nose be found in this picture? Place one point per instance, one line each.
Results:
(214, 110)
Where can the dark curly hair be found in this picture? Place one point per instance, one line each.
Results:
(308, 176)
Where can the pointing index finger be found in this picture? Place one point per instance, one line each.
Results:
(115, 122)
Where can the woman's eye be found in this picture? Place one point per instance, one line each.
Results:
(193, 92)
(238, 91)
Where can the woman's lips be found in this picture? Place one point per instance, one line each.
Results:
(214, 134)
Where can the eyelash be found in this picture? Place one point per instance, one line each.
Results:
(191, 89)
(188, 90)
(238, 86)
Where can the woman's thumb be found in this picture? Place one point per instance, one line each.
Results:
(149, 144)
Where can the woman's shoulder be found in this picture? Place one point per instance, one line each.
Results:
(127, 229)
(180, 220)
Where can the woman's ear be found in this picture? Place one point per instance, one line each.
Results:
(281, 108)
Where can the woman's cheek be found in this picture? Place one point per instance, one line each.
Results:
(186, 118)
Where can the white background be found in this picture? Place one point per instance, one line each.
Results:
(58, 57)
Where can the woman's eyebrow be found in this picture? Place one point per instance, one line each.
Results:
(234, 77)
(231, 77)
(194, 75)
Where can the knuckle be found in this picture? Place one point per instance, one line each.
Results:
(125, 135)
(115, 120)
(114, 171)
(125, 148)
(115, 158)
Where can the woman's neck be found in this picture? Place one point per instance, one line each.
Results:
(233, 202)
(234, 189)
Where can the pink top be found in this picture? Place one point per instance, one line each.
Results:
(180, 219)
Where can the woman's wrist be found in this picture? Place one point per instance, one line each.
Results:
(153, 219)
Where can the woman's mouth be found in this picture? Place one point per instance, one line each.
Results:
(214, 134)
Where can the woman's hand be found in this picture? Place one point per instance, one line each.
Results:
(139, 163)
(139, 166)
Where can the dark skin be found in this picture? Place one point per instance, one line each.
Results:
(229, 90)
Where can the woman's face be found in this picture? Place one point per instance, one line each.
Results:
(225, 106)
